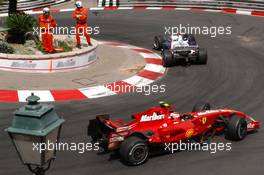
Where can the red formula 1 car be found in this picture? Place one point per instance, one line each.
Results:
(160, 125)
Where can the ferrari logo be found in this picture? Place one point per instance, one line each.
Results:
(204, 119)
(189, 133)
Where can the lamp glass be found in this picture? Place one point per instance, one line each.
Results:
(51, 144)
(25, 148)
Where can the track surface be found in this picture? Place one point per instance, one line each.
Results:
(233, 77)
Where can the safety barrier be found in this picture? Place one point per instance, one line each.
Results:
(29, 4)
(209, 4)
(108, 3)
(59, 62)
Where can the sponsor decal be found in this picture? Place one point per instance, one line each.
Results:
(24, 64)
(175, 115)
(68, 63)
(207, 112)
(213, 111)
(189, 133)
(155, 116)
(204, 119)
(250, 126)
(92, 57)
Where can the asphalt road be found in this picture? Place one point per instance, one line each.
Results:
(234, 77)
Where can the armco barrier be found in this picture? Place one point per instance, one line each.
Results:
(30, 4)
(208, 4)
(59, 62)
(108, 3)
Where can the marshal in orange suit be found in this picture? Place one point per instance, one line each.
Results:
(80, 15)
(47, 23)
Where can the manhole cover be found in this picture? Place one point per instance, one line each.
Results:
(85, 81)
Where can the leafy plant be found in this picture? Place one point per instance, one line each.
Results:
(19, 24)
(6, 48)
(39, 46)
(65, 46)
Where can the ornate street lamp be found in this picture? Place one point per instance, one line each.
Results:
(34, 126)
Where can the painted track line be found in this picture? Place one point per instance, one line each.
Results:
(224, 10)
(152, 71)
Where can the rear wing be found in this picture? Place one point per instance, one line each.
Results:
(100, 126)
(187, 48)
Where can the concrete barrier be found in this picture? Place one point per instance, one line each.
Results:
(58, 62)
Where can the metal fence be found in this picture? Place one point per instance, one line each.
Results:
(29, 4)
(212, 4)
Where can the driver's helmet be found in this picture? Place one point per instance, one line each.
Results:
(174, 37)
(185, 38)
(180, 38)
(164, 104)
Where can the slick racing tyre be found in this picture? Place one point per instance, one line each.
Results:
(202, 58)
(167, 58)
(236, 128)
(157, 43)
(201, 106)
(134, 151)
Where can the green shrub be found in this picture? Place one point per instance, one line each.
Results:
(19, 24)
(6, 48)
(65, 46)
(39, 46)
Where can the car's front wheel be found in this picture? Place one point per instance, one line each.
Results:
(157, 42)
(201, 106)
(134, 151)
(236, 128)
(167, 58)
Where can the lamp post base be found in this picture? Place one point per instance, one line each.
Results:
(39, 170)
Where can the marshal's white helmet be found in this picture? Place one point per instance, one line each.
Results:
(46, 10)
(78, 4)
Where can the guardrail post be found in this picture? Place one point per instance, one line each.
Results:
(107, 3)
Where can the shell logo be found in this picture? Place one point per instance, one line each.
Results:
(189, 133)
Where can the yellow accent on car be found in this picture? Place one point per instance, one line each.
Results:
(204, 120)
(189, 133)
(164, 104)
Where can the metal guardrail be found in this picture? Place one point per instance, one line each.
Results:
(211, 4)
(30, 4)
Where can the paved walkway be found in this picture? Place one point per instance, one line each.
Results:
(113, 64)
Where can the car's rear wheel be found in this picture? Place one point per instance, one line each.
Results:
(236, 128)
(134, 151)
(202, 57)
(167, 58)
(201, 106)
(157, 43)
